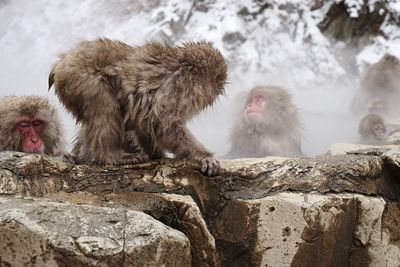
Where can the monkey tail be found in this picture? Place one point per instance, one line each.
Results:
(51, 79)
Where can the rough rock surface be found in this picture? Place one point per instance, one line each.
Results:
(332, 210)
(394, 138)
(43, 233)
(346, 21)
(179, 212)
(292, 229)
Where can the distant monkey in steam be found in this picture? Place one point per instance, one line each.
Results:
(133, 101)
(268, 125)
(30, 124)
(380, 88)
(372, 130)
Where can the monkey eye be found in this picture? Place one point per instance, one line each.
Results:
(23, 124)
(37, 123)
(259, 97)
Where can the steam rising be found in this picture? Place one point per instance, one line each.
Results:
(267, 50)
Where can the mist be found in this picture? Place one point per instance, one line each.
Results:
(33, 33)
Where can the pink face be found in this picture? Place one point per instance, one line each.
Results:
(255, 105)
(378, 131)
(30, 130)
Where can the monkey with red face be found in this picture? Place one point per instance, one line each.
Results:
(372, 130)
(268, 125)
(30, 130)
(30, 124)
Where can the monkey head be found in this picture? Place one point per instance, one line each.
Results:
(372, 126)
(267, 105)
(204, 75)
(378, 130)
(29, 124)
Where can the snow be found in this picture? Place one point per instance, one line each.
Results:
(353, 7)
(282, 45)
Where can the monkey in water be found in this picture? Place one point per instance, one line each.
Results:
(30, 124)
(268, 125)
(380, 88)
(132, 102)
(372, 130)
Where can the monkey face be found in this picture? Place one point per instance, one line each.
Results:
(255, 106)
(30, 129)
(378, 130)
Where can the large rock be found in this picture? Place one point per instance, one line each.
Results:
(343, 148)
(292, 229)
(394, 137)
(355, 22)
(177, 211)
(43, 233)
(331, 210)
(36, 175)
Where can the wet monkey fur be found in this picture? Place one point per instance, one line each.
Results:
(132, 102)
(30, 124)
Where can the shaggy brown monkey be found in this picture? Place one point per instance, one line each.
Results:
(372, 130)
(380, 88)
(30, 124)
(268, 125)
(133, 102)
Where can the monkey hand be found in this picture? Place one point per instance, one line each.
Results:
(209, 166)
(130, 158)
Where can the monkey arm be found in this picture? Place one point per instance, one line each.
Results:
(180, 141)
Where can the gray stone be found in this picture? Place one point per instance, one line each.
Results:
(44, 233)
(292, 229)
(329, 210)
(177, 211)
(393, 138)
